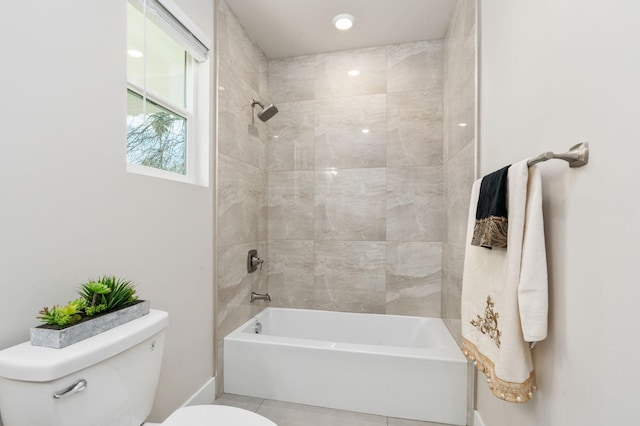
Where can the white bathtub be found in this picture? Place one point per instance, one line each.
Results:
(396, 366)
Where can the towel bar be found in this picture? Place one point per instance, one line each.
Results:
(577, 156)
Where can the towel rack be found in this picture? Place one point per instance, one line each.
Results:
(577, 156)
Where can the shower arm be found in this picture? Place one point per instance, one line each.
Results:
(254, 103)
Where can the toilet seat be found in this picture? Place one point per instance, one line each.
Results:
(215, 415)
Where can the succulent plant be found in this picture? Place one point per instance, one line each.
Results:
(65, 315)
(105, 294)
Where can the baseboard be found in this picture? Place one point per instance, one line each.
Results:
(477, 420)
(206, 394)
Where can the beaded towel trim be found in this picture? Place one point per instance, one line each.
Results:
(508, 391)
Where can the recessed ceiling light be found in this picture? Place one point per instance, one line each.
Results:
(462, 124)
(354, 73)
(365, 131)
(135, 53)
(343, 22)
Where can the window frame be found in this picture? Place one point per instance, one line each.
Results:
(198, 137)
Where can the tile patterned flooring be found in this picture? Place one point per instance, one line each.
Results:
(288, 414)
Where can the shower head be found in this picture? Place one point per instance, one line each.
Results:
(267, 112)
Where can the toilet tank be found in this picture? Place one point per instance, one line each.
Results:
(120, 367)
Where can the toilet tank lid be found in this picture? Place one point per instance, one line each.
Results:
(30, 363)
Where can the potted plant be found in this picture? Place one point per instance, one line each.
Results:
(103, 304)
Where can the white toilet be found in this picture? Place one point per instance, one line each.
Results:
(106, 380)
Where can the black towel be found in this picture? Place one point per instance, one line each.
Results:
(490, 230)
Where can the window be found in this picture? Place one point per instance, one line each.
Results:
(167, 94)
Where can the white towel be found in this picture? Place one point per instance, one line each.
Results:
(504, 292)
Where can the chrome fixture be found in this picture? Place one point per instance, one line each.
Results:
(267, 112)
(253, 261)
(78, 386)
(577, 156)
(258, 327)
(257, 296)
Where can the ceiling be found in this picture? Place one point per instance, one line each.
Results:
(285, 28)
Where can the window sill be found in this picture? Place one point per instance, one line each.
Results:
(162, 174)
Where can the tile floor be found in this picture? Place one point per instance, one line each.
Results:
(288, 414)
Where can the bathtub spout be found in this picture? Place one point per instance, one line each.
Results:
(256, 296)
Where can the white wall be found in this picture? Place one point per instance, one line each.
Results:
(554, 73)
(69, 211)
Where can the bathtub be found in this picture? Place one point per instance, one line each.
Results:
(395, 366)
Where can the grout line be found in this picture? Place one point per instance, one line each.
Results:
(260, 406)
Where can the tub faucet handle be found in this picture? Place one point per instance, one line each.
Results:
(253, 261)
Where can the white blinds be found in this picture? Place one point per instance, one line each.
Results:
(162, 17)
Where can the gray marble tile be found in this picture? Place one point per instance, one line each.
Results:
(339, 138)
(292, 137)
(459, 119)
(414, 128)
(350, 265)
(237, 49)
(264, 78)
(290, 270)
(452, 267)
(242, 73)
(242, 202)
(287, 414)
(292, 79)
(414, 204)
(240, 401)
(291, 205)
(454, 325)
(234, 286)
(350, 204)
(459, 82)
(241, 141)
(232, 316)
(469, 50)
(234, 282)
(240, 135)
(219, 362)
(414, 279)
(333, 81)
(462, 22)
(415, 66)
(350, 276)
(349, 300)
(458, 154)
(458, 178)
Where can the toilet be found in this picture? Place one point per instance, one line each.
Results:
(106, 380)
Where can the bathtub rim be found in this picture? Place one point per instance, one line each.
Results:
(451, 353)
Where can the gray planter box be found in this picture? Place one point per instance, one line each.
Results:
(67, 336)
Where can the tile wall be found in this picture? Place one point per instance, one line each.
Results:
(355, 219)
(458, 153)
(345, 220)
(242, 177)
